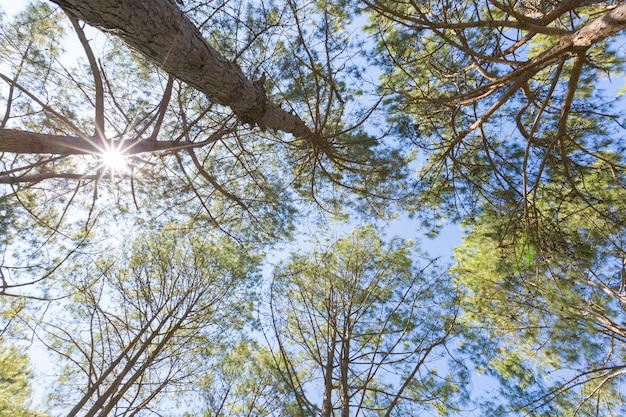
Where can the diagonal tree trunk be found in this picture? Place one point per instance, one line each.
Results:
(161, 32)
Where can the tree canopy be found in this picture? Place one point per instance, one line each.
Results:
(363, 323)
(504, 98)
(159, 159)
(15, 378)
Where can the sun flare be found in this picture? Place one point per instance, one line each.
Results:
(113, 160)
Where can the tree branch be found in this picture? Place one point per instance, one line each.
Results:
(22, 142)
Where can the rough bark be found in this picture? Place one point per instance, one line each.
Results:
(161, 32)
(601, 28)
(22, 142)
(610, 23)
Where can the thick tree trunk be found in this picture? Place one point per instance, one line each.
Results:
(22, 142)
(160, 31)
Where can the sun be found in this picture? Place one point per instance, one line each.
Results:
(113, 160)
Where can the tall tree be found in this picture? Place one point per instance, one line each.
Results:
(161, 32)
(244, 381)
(230, 113)
(188, 145)
(359, 328)
(516, 108)
(548, 321)
(141, 327)
(503, 96)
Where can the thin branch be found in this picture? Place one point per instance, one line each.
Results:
(95, 71)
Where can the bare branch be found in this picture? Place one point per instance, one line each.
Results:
(22, 142)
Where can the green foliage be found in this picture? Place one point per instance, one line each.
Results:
(519, 140)
(15, 378)
(527, 152)
(360, 320)
(544, 304)
(245, 381)
(468, 87)
(140, 323)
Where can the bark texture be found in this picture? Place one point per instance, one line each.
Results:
(22, 142)
(160, 31)
(610, 23)
(606, 25)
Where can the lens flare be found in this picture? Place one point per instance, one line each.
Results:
(113, 160)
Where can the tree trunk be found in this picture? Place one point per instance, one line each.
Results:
(344, 367)
(327, 399)
(161, 32)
